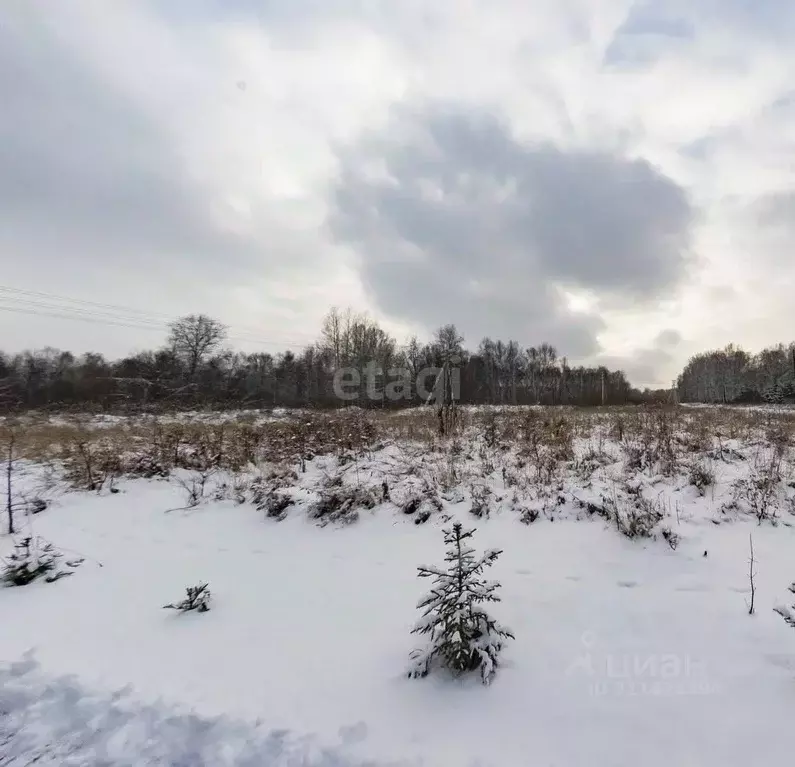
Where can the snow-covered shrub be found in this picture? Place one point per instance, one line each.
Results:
(275, 504)
(194, 486)
(341, 504)
(560, 438)
(617, 427)
(235, 489)
(93, 463)
(700, 476)
(650, 443)
(32, 558)
(280, 474)
(779, 437)
(481, 500)
(462, 635)
(636, 456)
(197, 598)
(788, 612)
(634, 516)
(490, 433)
(670, 537)
(590, 461)
(263, 492)
(36, 505)
(419, 501)
(761, 492)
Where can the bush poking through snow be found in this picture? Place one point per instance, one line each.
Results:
(760, 492)
(31, 559)
(276, 504)
(341, 504)
(463, 637)
(788, 613)
(194, 487)
(700, 476)
(635, 516)
(670, 537)
(198, 598)
(481, 500)
(422, 502)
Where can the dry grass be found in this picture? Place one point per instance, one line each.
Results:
(533, 459)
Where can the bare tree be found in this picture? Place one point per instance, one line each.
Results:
(331, 334)
(193, 337)
(751, 574)
(9, 475)
(448, 346)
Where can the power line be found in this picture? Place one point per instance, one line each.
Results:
(43, 309)
(127, 309)
(96, 321)
(122, 313)
(142, 315)
(141, 322)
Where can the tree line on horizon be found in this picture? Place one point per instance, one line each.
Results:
(194, 368)
(734, 376)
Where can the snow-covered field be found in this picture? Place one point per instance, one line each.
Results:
(628, 651)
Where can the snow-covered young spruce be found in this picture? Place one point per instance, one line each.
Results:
(788, 613)
(463, 637)
(32, 558)
(197, 598)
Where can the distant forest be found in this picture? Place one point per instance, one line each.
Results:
(196, 369)
(732, 375)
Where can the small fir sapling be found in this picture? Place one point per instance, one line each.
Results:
(462, 635)
(788, 612)
(33, 558)
(197, 598)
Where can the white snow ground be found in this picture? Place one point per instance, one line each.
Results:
(627, 653)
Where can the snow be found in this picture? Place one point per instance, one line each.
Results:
(57, 721)
(253, 416)
(626, 653)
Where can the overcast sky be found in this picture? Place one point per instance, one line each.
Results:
(614, 177)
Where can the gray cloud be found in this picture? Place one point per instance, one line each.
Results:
(464, 223)
(90, 177)
(668, 339)
(649, 30)
(83, 167)
(654, 366)
(776, 210)
(98, 200)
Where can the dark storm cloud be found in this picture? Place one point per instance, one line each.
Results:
(87, 175)
(466, 224)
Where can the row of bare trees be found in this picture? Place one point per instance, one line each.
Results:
(733, 375)
(194, 368)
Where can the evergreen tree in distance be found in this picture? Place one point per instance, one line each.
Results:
(462, 635)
